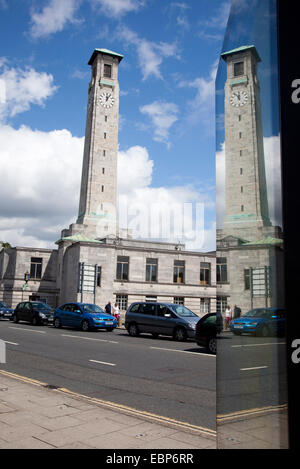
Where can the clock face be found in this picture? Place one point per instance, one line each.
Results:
(239, 98)
(106, 99)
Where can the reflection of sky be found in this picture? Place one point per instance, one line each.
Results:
(253, 22)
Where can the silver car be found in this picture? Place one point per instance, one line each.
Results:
(161, 318)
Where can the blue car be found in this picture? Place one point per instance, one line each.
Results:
(5, 311)
(85, 316)
(260, 322)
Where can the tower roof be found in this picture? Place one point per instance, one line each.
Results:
(241, 49)
(104, 51)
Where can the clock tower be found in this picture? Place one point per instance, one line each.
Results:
(98, 194)
(246, 213)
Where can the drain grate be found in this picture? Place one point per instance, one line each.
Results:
(50, 386)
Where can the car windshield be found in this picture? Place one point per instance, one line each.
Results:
(92, 309)
(182, 311)
(41, 305)
(258, 313)
(3, 305)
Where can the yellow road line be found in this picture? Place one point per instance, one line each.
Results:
(123, 408)
(250, 412)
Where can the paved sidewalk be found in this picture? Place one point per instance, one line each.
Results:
(33, 416)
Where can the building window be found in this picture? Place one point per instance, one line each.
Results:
(221, 304)
(104, 152)
(122, 268)
(241, 171)
(107, 71)
(247, 279)
(204, 273)
(240, 117)
(103, 170)
(179, 271)
(36, 267)
(105, 118)
(151, 270)
(204, 305)
(102, 188)
(242, 208)
(221, 270)
(240, 135)
(151, 299)
(238, 69)
(104, 134)
(241, 152)
(242, 189)
(122, 302)
(99, 276)
(178, 300)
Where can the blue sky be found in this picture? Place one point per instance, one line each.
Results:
(167, 123)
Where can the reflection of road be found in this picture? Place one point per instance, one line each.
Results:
(251, 372)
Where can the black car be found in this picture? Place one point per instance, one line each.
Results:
(207, 329)
(35, 312)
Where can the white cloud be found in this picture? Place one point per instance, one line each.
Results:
(150, 54)
(23, 88)
(213, 27)
(53, 17)
(118, 8)
(273, 177)
(202, 106)
(163, 115)
(40, 183)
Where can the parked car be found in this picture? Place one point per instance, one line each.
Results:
(5, 311)
(207, 329)
(84, 316)
(161, 318)
(261, 322)
(35, 312)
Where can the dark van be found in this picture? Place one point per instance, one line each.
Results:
(161, 318)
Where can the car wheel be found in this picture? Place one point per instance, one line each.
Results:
(57, 323)
(15, 318)
(212, 345)
(133, 330)
(34, 321)
(179, 334)
(264, 331)
(85, 326)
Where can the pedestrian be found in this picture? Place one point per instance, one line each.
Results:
(237, 312)
(108, 308)
(116, 313)
(228, 316)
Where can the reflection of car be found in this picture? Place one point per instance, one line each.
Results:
(84, 316)
(5, 311)
(260, 321)
(207, 329)
(35, 312)
(161, 318)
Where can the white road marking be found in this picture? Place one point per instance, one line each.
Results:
(259, 345)
(254, 368)
(102, 363)
(10, 343)
(88, 338)
(28, 330)
(184, 351)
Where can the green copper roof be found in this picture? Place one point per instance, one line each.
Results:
(78, 237)
(104, 51)
(268, 240)
(241, 49)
